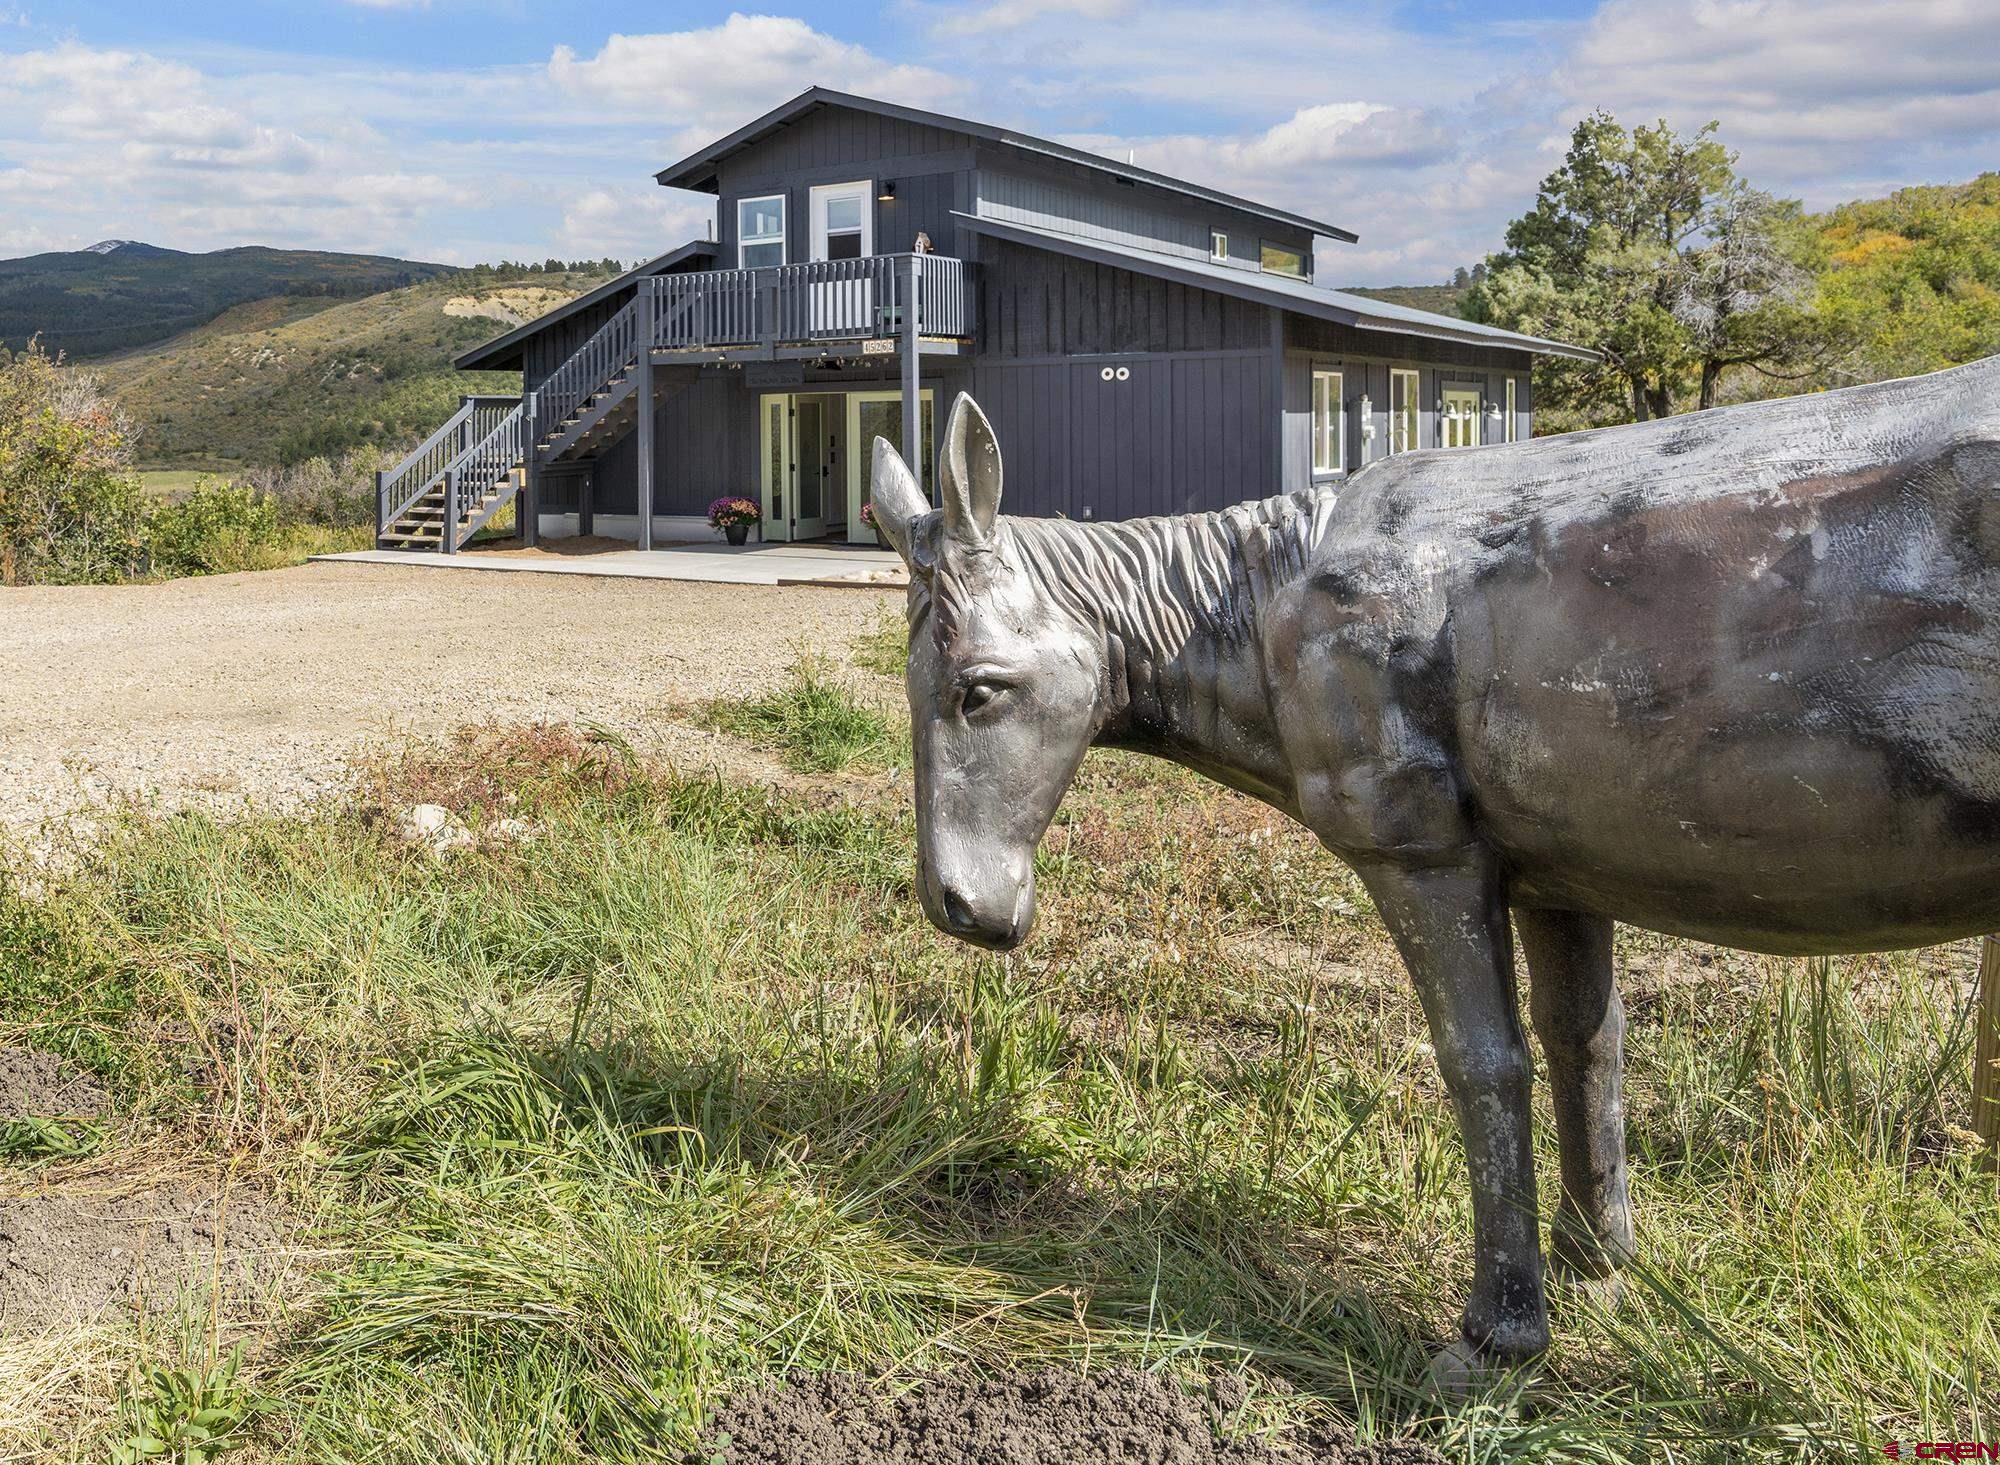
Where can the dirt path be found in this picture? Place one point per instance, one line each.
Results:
(238, 688)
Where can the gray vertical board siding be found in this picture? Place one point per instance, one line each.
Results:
(1093, 206)
(705, 436)
(1033, 302)
(1185, 430)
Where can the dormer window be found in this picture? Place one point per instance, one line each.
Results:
(1218, 244)
(1276, 259)
(760, 231)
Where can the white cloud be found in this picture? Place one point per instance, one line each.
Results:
(735, 70)
(1001, 15)
(1818, 95)
(632, 223)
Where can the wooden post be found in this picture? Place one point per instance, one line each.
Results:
(912, 407)
(381, 488)
(643, 390)
(448, 535)
(528, 506)
(1986, 1053)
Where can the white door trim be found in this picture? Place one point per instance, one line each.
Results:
(822, 193)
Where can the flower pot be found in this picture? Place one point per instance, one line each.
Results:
(736, 533)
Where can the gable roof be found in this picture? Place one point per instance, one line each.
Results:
(698, 170)
(1360, 311)
(503, 353)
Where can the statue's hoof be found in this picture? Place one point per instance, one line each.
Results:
(1463, 1370)
(1574, 1289)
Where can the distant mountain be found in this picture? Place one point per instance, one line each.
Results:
(287, 378)
(1438, 299)
(120, 293)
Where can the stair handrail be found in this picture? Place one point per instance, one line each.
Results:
(589, 367)
(481, 466)
(398, 489)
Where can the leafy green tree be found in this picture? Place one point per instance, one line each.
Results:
(1645, 246)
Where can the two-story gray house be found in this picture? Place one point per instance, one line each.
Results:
(1142, 345)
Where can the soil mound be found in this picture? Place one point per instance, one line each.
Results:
(38, 1085)
(67, 1255)
(1010, 1419)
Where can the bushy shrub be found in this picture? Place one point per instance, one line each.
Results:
(70, 511)
(213, 529)
(325, 493)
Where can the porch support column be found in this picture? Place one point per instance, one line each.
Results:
(912, 413)
(528, 509)
(643, 389)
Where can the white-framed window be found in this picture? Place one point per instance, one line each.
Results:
(1280, 260)
(760, 231)
(1218, 244)
(1329, 423)
(1513, 433)
(1402, 411)
(843, 220)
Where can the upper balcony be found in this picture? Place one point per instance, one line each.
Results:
(878, 302)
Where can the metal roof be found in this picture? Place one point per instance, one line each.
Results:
(483, 358)
(1360, 311)
(697, 171)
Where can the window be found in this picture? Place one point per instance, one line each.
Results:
(1218, 244)
(1513, 424)
(842, 217)
(1282, 261)
(1402, 411)
(1458, 417)
(760, 231)
(1329, 423)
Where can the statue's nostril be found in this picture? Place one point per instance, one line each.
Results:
(957, 914)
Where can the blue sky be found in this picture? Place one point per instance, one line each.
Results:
(475, 129)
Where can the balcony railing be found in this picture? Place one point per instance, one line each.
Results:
(809, 304)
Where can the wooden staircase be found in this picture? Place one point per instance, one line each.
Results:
(421, 525)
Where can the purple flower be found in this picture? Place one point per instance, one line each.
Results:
(730, 509)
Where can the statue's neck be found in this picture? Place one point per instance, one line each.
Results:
(1181, 605)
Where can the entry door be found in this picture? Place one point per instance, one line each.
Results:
(1458, 418)
(880, 414)
(843, 228)
(799, 446)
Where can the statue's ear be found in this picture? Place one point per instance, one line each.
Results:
(898, 502)
(969, 484)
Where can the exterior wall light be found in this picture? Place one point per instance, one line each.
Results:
(887, 194)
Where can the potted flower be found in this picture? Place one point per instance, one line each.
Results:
(734, 516)
(868, 518)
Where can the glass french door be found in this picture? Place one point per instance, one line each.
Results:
(796, 466)
(880, 414)
(1458, 418)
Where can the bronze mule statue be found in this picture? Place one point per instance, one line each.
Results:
(1733, 676)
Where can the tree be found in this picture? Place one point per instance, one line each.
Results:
(1645, 246)
(1746, 297)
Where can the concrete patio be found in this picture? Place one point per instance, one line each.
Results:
(749, 564)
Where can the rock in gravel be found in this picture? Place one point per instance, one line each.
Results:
(1118, 1415)
(434, 825)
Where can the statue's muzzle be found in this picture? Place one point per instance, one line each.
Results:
(987, 901)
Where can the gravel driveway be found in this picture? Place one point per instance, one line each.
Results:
(256, 687)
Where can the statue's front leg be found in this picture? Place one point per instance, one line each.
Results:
(1450, 923)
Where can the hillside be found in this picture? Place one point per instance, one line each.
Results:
(1439, 299)
(283, 379)
(118, 294)
(1913, 280)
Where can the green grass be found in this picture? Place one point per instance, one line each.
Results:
(814, 722)
(680, 1091)
(884, 648)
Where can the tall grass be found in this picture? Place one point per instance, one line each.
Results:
(678, 1091)
(813, 721)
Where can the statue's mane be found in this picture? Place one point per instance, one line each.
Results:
(1157, 582)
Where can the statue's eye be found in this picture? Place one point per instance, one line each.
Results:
(977, 696)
